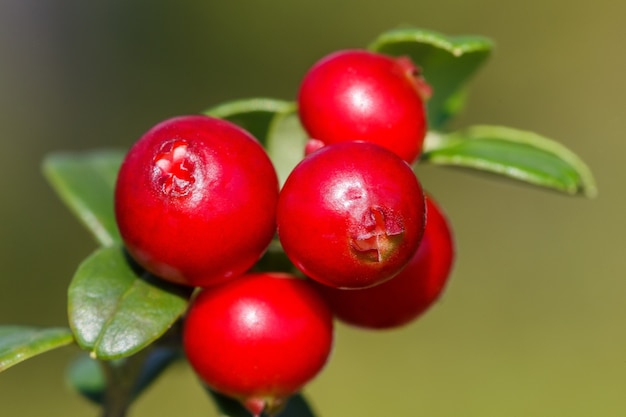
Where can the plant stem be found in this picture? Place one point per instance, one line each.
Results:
(120, 376)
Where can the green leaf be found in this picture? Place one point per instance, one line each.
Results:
(254, 114)
(286, 140)
(297, 406)
(513, 153)
(85, 182)
(18, 343)
(116, 309)
(274, 123)
(157, 361)
(447, 62)
(85, 374)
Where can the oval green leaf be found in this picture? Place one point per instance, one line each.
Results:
(18, 343)
(518, 154)
(286, 140)
(253, 114)
(447, 62)
(85, 183)
(116, 309)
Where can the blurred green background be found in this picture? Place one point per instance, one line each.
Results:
(532, 323)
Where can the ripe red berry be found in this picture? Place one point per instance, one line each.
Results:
(410, 293)
(351, 215)
(259, 338)
(361, 95)
(195, 200)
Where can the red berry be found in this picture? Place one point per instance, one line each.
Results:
(361, 95)
(195, 200)
(351, 215)
(259, 338)
(410, 293)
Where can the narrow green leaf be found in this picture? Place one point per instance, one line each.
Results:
(297, 406)
(254, 114)
(286, 140)
(115, 309)
(518, 154)
(447, 62)
(18, 343)
(85, 182)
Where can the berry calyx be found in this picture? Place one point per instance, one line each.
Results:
(195, 200)
(351, 215)
(259, 338)
(409, 294)
(176, 167)
(377, 235)
(358, 95)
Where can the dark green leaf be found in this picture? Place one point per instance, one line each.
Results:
(86, 376)
(254, 114)
(85, 182)
(157, 361)
(286, 140)
(18, 343)
(517, 154)
(447, 63)
(228, 407)
(297, 406)
(115, 309)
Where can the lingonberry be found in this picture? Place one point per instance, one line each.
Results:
(195, 200)
(351, 215)
(258, 338)
(362, 95)
(410, 293)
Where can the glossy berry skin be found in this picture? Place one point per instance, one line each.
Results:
(409, 294)
(360, 95)
(195, 200)
(351, 215)
(258, 338)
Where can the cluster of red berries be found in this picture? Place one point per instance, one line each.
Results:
(198, 202)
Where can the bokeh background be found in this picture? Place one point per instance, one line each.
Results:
(532, 322)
